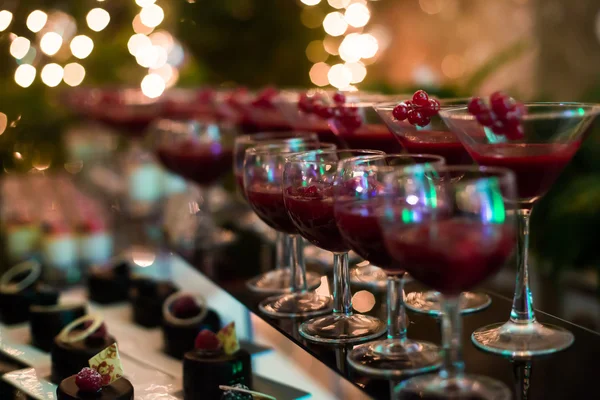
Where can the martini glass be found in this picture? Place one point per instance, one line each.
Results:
(277, 281)
(359, 199)
(434, 138)
(450, 228)
(200, 152)
(263, 184)
(309, 193)
(553, 133)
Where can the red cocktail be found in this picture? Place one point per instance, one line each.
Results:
(267, 202)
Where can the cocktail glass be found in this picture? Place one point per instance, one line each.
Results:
(263, 184)
(263, 112)
(199, 152)
(278, 280)
(434, 138)
(450, 228)
(553, 133)
(359, 199)
(309, 183)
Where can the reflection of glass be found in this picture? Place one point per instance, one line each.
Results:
(358, 203)
(263, 184)
(451, 229)
(277, 281)
(434, 138)
(309, 181)
(553, 133)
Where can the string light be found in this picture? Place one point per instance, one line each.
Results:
(339, 3)
(358, 71)
(81, 46)
(97, 19)
(153, 85)
(19, 47)
(74, 74)
(144, 3)
(339, 76)
(5, 19)
(52, 74)
(137, 42)
(152, 15)
(139, 27)
(357, 15)
(311, 2)
(24, 75)
(36, 20)
(51, 42)
(318, 74)
(335, 24)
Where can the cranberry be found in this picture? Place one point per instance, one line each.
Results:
(514, 132)
(207, 340)
(432, 108)
(400, 112)
(339, 98)
(346, 111)
(350, 122)
(512, 118)
(185, 307)
(501, 104)
(498, 127)
(88, 380)
(305, 103)
(486, 118)
(477, 106)
(420, 98)
(417, 117)
(323, 111)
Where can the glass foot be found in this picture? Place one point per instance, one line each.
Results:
(278, 281)
(391, 358)
(295, 305)
(369, 276)
(429, 302)
(342, 329)
(467, 387)
(522, 340)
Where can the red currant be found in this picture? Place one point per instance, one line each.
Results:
(514, 132)
(498, 127)
(486, 118)
(305, 103)
(323, 111)
(501, 104)
(432, 108)
(400, 112)
(339, 98)
(477, 106)
(351, 122)
(88, 380)
(416, 117)
(420, 98)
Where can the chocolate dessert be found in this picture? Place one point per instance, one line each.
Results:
(46, 322)
(147, 297)
(109, 283)
(88, 384)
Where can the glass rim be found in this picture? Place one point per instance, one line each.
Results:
(263, 149)
(296, 158)
(244, 139)
(502, 173)
(568, 111)
(394, 155)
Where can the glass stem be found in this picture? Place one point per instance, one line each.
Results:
(342, 296)
(396, 316)
(452, 362)
(283, 250)
(298, 267)
(522, 307)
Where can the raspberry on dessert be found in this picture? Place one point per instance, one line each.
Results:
(185, 307)
(420, 98)
(207, 340)
(400, 112)
(88, 380)
(339, 98)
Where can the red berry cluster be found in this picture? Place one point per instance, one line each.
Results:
(265, 98)
(233, 99)
(347, 117)
(88, 380)
(502, 116)
(205, 96)
(419, 110)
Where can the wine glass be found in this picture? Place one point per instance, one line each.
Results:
(277, 281)
(550, 135)
(309, 180)
(450, 228)
(358, 200)
(263, 184)
(199, 152)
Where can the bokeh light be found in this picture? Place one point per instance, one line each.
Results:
(335, 24)
(24, 75)
(357, 15)
(339, 76)
(332, 45)
(3, 122)
(315, 51)
(5, 19)
(52, 74)
(453, 66)
(139, 27)
(137, 42)
(74, 74)
(431, 6)
(19, 47)
(358, 71)
(151, 56)
(311, 2)
(36, 20)
(82, 46)
(318, 74)
(144, 3)
(51, 43)
(311, 17)
(97, 19)
(368, 45)
(152, 15)
(153, 85)
(163, 39)
(339, 3)
(169, 74)
(350, 49)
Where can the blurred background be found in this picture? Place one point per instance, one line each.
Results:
(533, 49)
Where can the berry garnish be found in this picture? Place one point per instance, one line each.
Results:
(502, 116)
(185, 307)
(207, 340)
(417, 111)
(339, 98)
(322, 110)
(265, 98)
(305, 103)
(88, 380)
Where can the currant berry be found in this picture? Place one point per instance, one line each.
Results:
(501, 104)
(339, 98)
(432, 108)
(305, 103)
(420, 98)
(323, 111)
(416, 117)
(207, 340)
(400, 112)
(486, 118)
(350, 122)
(477, 106)
(498, 127)
(514, 132)
(88, 380)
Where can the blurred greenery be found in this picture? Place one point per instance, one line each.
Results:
(256, 43)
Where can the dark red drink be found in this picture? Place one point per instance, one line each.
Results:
(536, 166)
(371, 136)
(440, 143)
(201, 163)
(358, 223)
(451, 256)
(267, 201)
(312, 211)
